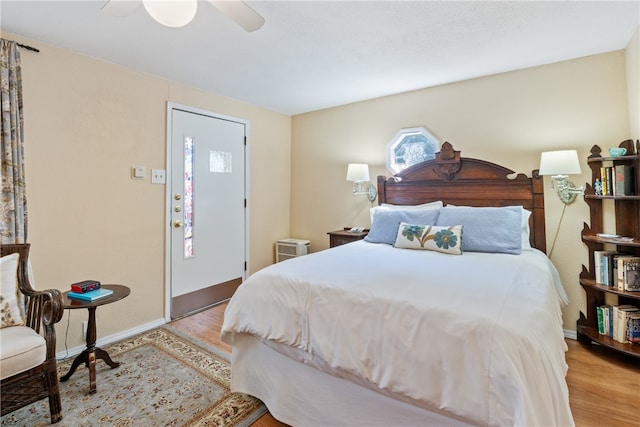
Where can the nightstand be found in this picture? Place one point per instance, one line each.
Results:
(340, 237)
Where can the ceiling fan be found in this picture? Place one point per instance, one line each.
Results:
(177, 13)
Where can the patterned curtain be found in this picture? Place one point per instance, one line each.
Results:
(14, 200)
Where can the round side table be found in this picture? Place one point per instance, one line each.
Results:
(91, 353)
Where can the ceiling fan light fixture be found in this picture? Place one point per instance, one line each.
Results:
(171, 13)
(240, 13)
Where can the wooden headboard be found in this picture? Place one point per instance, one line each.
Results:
(464, 181)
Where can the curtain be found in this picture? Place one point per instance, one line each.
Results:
(14, 201)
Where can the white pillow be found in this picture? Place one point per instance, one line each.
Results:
(525, 231)
(386, 206)
(10, 313)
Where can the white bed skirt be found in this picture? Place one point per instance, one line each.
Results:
(309, 397)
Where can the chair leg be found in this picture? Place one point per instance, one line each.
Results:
(55, 404)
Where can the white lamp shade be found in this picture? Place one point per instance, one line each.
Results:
(171, 13)
(358, 172)
(562, 162)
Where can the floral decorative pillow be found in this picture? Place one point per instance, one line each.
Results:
(445, 239)
(10, 312)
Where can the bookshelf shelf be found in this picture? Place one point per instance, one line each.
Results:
(600, 197)
(627, 223)
(602, 288)
(593, 335)
(598, 159)
(596, 239)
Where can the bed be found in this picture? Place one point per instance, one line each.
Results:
(447, 319)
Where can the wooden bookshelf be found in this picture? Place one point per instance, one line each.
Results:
(627, 218)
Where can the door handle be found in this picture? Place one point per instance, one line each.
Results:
(177, 223)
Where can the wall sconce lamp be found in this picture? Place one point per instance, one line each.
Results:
(561, 164)
(359, 174)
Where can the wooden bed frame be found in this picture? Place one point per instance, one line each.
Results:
(462, 181)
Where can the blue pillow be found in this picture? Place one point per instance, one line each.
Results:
(494, 230)
(384, 228)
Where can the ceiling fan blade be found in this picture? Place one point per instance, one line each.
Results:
(120, 7)
(240, 13)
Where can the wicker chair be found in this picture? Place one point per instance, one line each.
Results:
(43, 309)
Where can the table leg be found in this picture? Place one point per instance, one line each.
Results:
(101, 354)
(90, 354)
(91, 349)
(81, 358)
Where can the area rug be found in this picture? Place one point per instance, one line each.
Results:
(164, 379)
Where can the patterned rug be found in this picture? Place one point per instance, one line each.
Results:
(165, 379)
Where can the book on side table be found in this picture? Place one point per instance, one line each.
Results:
(91, 295)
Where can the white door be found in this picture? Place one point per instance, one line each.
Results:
(207, 209)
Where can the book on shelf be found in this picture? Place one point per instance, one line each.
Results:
(607, 316)
(613, 274)
(610, 182)
(597, 262)
(91, 295)
(626, 263)
(606, 267)
(633, 328)
(631, 276)
(604, 181)
(623, 180)
(600, 315)
(601, 261)
(613, 321)
(616, 237)
(621, 320)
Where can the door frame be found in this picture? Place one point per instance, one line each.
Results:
(167, 235)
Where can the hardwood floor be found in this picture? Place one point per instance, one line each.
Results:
(604, 387)
(205, 326)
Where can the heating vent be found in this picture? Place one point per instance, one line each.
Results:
(291, 248)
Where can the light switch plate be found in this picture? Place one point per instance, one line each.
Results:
(158, 176)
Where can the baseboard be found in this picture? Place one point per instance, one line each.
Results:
(72, 352)
(570, 334)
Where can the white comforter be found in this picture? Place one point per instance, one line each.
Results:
(478, 335)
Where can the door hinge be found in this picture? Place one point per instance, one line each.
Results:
(245, 141)
(245, 266)
(245, 203)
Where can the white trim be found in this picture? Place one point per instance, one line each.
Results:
(570, 334)
(72, 352)
(167, 222)
(167, 245)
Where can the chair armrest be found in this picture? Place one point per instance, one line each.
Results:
(53, 306)
(43, 308)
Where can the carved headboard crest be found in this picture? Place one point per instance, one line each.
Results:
(447, 161)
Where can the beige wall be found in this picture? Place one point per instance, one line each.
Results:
(507, 118)
(86, 123)
(633, 83)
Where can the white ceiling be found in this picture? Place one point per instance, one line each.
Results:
(311, 55)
